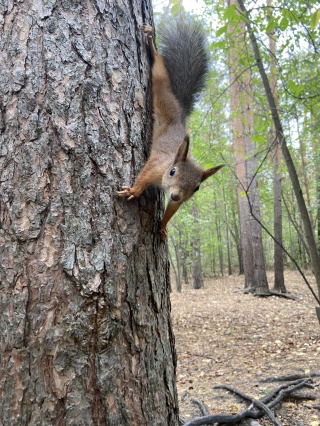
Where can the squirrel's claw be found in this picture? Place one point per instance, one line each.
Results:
(148, 29)
(126, 192)
(164, 234)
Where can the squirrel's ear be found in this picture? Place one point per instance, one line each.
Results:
(183, 149)
(209, 172)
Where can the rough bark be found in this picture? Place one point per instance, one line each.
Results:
(85, 329)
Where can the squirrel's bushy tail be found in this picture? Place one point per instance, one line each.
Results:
(182, 45)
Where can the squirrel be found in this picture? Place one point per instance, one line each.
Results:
(178, 76)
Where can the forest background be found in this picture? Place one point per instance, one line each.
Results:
(251, 201)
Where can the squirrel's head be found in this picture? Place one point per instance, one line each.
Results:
(184, 177)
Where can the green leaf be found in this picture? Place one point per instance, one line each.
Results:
(231, 12)
(221, 30)
(315, 18)
(176, 8)
(284, 23)
(291, 85)
(271, 25)
(299, 89)
(218, 44)
(295, 88)
(258, 138)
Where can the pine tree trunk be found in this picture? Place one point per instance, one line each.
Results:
(178, 260)
(236, 108)
(196, 251)
(253, 196)
(279, 284)
(85, 327)
(227, 227)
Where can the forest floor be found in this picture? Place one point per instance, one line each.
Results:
(226, 337)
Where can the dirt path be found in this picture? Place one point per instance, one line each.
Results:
(226, 337)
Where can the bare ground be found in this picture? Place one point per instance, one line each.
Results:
(226, 337)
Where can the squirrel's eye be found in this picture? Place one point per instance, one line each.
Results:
(172, 171)
(197, 189)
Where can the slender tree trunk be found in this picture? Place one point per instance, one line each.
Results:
(196, 251)
(178, 261)
(277, 177)
(315, 259)
(253, 196)
(219, 238)
(227, 227)
(237, 239)
(279, 284)
(237, 111)
(303, 169)
(318, 212)
(85, 328)
(184, 265)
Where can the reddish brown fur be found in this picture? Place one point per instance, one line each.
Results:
(170, 146)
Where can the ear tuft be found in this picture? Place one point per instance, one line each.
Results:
(183, 149)
(209, 172)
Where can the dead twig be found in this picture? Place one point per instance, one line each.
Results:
(263, 405)
(258, 403)
(275, 391)
(289, 377)
(201, 406)
(285, 295)
(315, 406)
(300, 396)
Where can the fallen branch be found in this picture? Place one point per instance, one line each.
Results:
(300, 396)
(275, 391)
(263, 405)
(201, 406)
(289, 377)
(315, 406)
(285, 295)
(258, 403)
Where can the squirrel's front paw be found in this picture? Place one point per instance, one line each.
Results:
(148, 29)
(164, 234)
(127, 192)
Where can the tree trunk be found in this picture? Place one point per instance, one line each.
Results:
(196, 251)
(253, 196)
(318, 211)
(219, 238)
(86, 335)
(177, 252)
(185, 260)
(277, 177)
(279, 284)
(236, 108)
(227, 228)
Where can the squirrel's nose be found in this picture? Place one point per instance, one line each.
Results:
(175, 196)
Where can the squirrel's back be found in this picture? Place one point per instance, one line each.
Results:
(182, 45)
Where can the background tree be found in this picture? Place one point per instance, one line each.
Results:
(85, 328)
(196, 250)
(279, 284)
(248, 194)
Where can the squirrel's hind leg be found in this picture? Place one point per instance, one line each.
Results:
(149, 30)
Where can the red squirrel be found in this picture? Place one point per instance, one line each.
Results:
(178, 75)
